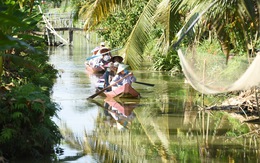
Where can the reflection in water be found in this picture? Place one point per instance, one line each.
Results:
(121, 112)
(165, 125)
(156, 137)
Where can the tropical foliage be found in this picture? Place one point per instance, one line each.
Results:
(26, 127)
(234, 23)
(118, 26)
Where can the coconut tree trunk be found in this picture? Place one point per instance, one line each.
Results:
(224, 42)
(225, 48)
(1, 67)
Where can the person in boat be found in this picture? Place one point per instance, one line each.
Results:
(106, 78)
(106, 56)
(105, 60)
(122, 72)
(97, 61)
(110, 72)
(94, 61)
(111, 69)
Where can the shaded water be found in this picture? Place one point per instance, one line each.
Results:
(165, 125)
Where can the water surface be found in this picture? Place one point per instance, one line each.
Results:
(167, 124)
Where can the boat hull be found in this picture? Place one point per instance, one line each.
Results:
(124, 91)
(94, 70)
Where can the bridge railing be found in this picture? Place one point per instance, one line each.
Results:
(63, 20)
(55, 26)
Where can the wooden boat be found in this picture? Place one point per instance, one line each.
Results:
(94, 70)
(124, 91)
(97, 69)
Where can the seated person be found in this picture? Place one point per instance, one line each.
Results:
(105, 59)
(94, 61)
(106, 56)
(121, 73)
(110, 72)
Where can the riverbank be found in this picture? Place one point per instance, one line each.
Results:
(244, 106)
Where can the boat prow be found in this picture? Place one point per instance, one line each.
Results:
(94, 70)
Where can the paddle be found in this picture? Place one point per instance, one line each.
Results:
(148, 84)
(111, 85)
(94, 56)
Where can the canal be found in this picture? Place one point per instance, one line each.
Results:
(168, 123)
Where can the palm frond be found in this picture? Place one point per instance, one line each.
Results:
(162, 17)
(139, 36)
(95, 12)
(191, 20)
(248, 9)
(244, 13)
(169, 16)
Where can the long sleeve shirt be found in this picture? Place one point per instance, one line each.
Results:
(130, 79)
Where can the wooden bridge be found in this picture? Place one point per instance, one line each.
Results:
(60, 22)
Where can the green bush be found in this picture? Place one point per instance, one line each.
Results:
(26, 109)
(25, 122)
(169, 62)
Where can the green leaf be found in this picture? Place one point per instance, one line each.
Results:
(16, 115)
(6, 134)
(138, 40)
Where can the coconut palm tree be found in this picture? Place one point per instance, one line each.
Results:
(138, 39)
(235, 23)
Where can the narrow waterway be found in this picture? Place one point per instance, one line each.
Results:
(165, 125)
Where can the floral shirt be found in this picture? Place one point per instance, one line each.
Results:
(130, 79)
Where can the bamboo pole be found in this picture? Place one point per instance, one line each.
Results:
(49, 26)
(204, 67)
(257, 104)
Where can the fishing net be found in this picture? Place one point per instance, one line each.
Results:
(206, 70)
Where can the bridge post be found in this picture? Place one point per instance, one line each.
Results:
(70, 36)
(71, 28)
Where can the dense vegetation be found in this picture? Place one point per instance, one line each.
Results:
(144, 28)
(158, 27)
(26, 109)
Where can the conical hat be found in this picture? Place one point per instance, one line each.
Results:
(117, 59)
(104, 51)
(121, 67)
(95, 50)
(102, 44)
